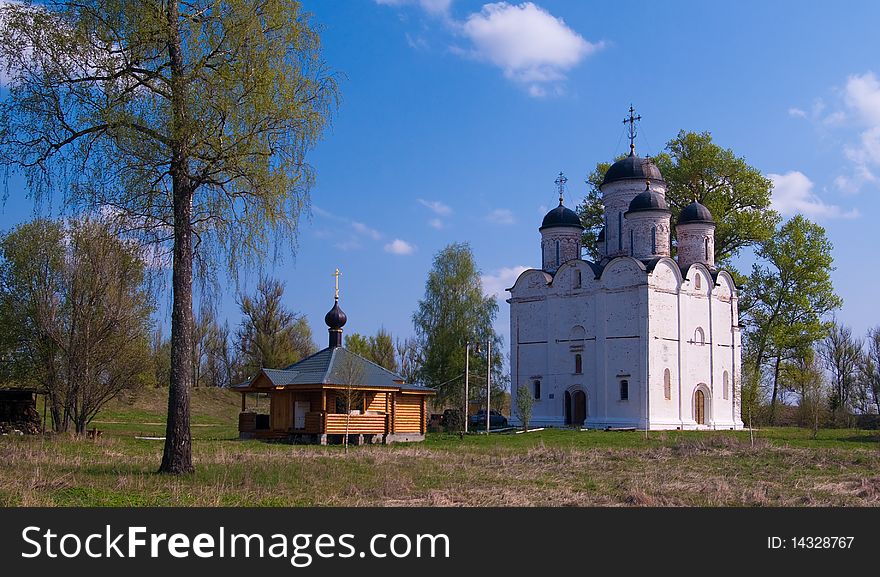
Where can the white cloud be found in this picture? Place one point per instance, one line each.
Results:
(797, 112)
(399, 247)
(793, 194)
(531, 46)
(436, 207)
(363, 229)
(502, 279)
(436, 223)
(501, 216)
(862, 94)
(434, 7)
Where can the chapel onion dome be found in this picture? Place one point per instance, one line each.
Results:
(561, 216)
(648, 200)
(695, 213)
(632, 167)
(336, 318)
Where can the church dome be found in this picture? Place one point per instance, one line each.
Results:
(695, 213)
(647, 201)
(632, 167)
(335, 318)
(561, 216)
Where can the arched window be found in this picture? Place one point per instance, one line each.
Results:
(619, 231)
(624, 390)
(707, 248)
(699, 336)
(667, 385)
(537, 390)
(557, 253)
(697, 282)
(578, 364)
(653, 240)
(577, 279)
(726, 389)
(631, 243)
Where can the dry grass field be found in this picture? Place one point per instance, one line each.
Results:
(543, 468)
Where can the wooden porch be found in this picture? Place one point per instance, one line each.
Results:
(319, 415)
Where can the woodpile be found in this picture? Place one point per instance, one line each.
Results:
(25, 421)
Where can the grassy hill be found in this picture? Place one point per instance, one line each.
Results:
(552, 467)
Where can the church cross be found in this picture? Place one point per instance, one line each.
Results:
(560, 183)
(336, 274)
(631, 120)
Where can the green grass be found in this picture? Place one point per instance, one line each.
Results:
(552, 467)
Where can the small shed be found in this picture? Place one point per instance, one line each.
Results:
(18, 409)
(334, 393)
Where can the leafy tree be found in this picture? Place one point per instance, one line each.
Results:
(84, 308)
(787, 295)
(378, 348)
(452, 312)
(270, 335)
(160, 354)
(524, 405)
(695, 168)
(190, 121)
(358, 344)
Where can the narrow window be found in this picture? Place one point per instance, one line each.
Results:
(537, 390)
(699, 336)
(697, 282)
(631, 244)
(578, 366)
(707, 249)
(624, 390)
(726, 386)
(653, 240)
(557, 253)
(577, 279)
(619, 231)
(667, 385)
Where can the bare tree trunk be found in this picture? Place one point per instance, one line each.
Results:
(177, 456)
(775, 391)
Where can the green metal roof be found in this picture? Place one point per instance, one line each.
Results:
(336, 366)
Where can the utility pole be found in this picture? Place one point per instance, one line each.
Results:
(467, 357)
(488, 382)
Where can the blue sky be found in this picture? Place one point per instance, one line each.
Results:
(457, 116)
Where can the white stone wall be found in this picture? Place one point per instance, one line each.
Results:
(641, 224)
(569, 239)
(629, 324)
(691, 244)
(616, 197)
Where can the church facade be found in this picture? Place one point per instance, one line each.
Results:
(637, 339)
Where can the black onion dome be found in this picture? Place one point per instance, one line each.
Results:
(561, 216)
(648, 200)
(632, 167)
(695, 212)
(336, 318)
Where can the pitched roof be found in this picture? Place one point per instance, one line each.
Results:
(336, 366)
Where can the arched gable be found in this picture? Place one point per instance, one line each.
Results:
(575, 274)
(530, 282)
(666, 275)
(698, 279)
(623, 271)
(725, 287)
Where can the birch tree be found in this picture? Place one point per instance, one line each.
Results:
(189, 120)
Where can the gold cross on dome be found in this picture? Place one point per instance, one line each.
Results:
(560, 182)
(336, 274)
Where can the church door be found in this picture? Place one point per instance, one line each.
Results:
(700, 407)
(579, 414)
(567, 408)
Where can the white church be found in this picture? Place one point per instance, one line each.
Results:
(637, 339)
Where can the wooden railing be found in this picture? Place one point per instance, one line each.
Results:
(335, 424)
